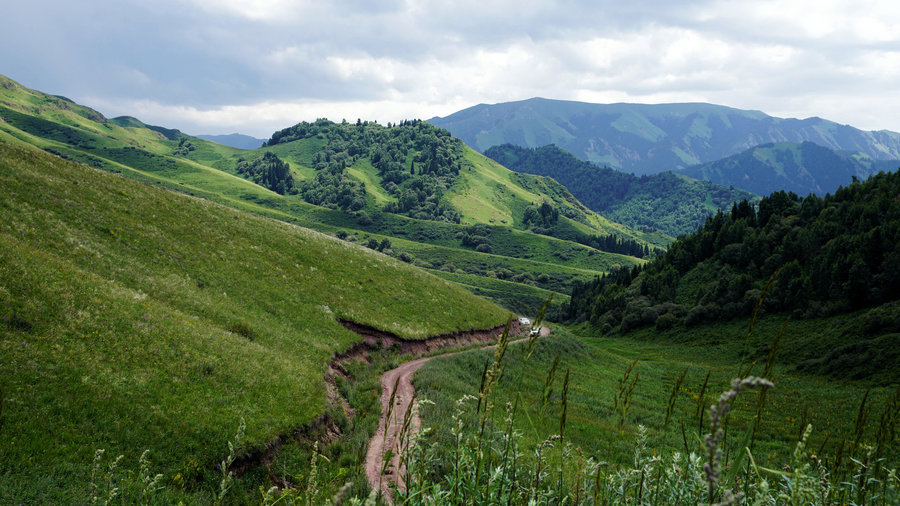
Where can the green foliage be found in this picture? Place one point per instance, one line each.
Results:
(525, 459)
(416, 163)
(133, 296)
(832, 255)
(269, 172)
(665, 201)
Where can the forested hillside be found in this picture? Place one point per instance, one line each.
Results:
(823, 256)
(417, 162)
(666, 202)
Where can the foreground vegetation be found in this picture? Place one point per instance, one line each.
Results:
(134, 318)
(600, 421)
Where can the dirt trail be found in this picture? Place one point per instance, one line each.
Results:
(401, 376)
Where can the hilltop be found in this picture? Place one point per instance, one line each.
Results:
(651, 138)
(234, 140)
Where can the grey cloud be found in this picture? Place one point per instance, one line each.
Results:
(206, 56)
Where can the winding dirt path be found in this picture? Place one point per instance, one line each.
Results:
(379, 444)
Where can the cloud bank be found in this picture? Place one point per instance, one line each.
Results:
(254, 66)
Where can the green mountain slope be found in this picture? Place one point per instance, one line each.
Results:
(810, 257)
(801, 168)
(646, 139)
(137, 318)
(325, 178)
(667, 202)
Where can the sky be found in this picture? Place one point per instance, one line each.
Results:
(256, 66)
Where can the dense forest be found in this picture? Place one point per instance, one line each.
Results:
(667, 202)
(416, 161)
(269, 172)
(813, 256)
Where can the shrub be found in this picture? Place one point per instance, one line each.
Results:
(241, 329)
(666, 321)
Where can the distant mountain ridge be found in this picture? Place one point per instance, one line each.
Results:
(802, 168)
(671, 203)
(234, 140)
(651, 138)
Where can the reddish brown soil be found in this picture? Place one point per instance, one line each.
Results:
(405, 394)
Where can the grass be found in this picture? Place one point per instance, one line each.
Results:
(595, 427)
(485, 193)
(135, 318)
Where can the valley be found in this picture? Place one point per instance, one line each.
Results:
(159, 291)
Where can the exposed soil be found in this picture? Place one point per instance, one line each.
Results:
(389, 427)
(323, 428)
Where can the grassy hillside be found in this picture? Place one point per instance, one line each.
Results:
(310, 169)
(651, 138)
(802, 168)
(136, 318)
(666, 202)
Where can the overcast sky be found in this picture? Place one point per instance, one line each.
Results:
(255, 66)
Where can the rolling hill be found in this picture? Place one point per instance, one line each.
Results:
(646, 139)
(801, 168)
(671, 203)
(469, 220)
(134, 317)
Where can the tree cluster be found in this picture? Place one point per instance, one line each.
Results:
(416, 161)
(542, 216)
(269, 172)
(823, 256)
(544, 219)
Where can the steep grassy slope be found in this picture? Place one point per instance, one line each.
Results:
(483, 191)
(651, 138)
(667, 202)
(802, 168)
(136, 318)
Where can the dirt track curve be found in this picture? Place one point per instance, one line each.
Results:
(405, 395)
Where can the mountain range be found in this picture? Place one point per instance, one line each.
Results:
(234, 140)
(802, 168)
(672, 203)
(652, 138)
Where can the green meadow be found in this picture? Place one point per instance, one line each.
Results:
(619, 398)
(134, 318)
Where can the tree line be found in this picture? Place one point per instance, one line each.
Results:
(815, 255)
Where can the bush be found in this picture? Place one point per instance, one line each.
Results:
(241, 329)
(666, 321)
